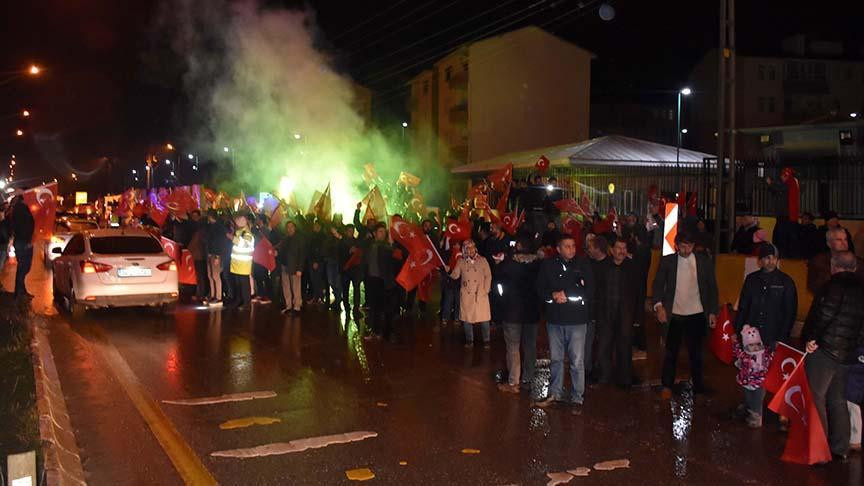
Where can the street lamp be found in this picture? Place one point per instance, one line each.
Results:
(134, 171)
(853, 115)
(167, 162)
(190, 156)
(684, 131)
(169, 146)
(34, 70)
(25, 113)
(19, 132)
(682, 92)
(297, 136)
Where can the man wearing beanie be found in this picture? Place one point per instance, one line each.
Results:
(769, 303)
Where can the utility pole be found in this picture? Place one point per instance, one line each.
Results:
(721, 130)
(731, 77)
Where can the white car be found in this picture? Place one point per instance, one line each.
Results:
(116, 267)
(64, 230)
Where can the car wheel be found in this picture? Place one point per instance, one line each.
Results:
(76, 309)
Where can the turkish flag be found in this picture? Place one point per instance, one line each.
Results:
(354, 260)
(186, 268)
(40, 201)
(722, 335)
(568, 206)
(264, 254)
(420, 263)
(457, 230)
(171, 248)
(180, 201)
(500, 179)
(158, 213)
(407, 234)
(510, 222)
(424, 286)
(784, 362)
(542, 164)
(806, 442)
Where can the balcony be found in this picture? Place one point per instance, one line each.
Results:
(458, 80)
(459, 114)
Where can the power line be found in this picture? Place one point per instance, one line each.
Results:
(418, 20)
(436, 34)
(394, 22)
(579, 12)
(370, 19)
(400, 68)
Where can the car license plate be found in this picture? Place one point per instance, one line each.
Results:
(134, 272)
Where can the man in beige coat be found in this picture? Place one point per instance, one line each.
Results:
(474, 294)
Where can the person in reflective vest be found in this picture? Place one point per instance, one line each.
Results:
(241, 261)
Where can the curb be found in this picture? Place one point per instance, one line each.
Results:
(59, 448)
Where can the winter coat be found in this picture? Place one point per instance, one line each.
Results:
(836, 318)
(855, 378)
(628, 291)
(474, 293)
(291, 254)
(576, 279)
(516, 276)
(666, 280)
(22, 224)
(768, 302)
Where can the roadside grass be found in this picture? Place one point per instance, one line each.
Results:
(19, 423)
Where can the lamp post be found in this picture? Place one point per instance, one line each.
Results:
(681, 92)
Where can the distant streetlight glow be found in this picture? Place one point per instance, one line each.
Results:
(169, 146)
(167, 162)
(19, 132)
(134, 171)
(191, 156)
(296, 136)
(686, 91)
(172, 173)
(34, 70)
(853, 115)
(404, 124)
(226, 149)
(683, 130)
(25, 113)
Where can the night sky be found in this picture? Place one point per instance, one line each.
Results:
(111, 88)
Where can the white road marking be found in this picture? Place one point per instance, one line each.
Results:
(298, 445)
(610, 465)
(232, 397)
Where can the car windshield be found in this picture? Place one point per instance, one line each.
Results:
(118, 245)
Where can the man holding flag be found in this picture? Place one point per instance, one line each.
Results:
(768, 302)
(833, 330)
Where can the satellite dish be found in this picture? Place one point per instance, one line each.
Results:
(607, 12)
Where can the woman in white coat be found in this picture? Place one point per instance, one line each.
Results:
(476, 277)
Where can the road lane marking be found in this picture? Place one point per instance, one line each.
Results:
(610, 465)
(248, 422)
(297, 445)
(361, 474)
(231, 397)
(187, 463)
(470, 451)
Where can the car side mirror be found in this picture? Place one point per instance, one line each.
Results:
(57, 250)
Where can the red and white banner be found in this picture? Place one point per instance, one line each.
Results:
(722, 336)
(40, 200)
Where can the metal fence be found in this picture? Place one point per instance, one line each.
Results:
(827, 184)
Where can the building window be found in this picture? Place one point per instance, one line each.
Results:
(448, 72)
(761, 72)
(761, 104)
(771, 73)
(771, 105)
(426, 87)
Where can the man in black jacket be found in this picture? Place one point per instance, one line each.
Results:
(684, 294)
(22, 230)
(833, 330)
(520, 312)
(768, 302)
(290, 254)
(566, 284)
(616, 296)
(381, 283)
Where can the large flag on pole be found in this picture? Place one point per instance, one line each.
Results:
(422, 260)
(806, 442)
(40, 201)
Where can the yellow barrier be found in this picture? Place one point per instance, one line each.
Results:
(730, 278)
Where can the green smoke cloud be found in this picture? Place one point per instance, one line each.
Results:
(256, 81)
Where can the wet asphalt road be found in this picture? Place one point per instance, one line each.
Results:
(427, 398)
